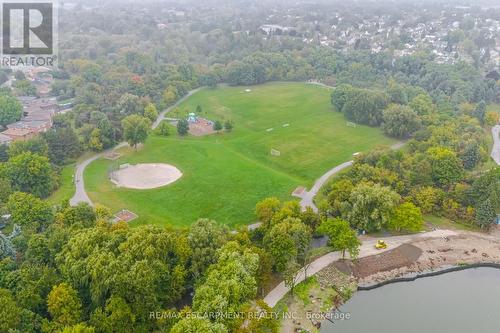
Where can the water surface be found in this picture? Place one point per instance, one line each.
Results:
(459, 302)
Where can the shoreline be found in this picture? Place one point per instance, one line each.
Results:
(435, 256)
(425, 274)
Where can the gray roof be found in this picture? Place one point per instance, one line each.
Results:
(28, 124)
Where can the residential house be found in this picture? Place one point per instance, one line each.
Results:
(19, 134)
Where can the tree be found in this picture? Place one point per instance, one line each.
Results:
(446, 166)
(197, 325)
(150, 112)
(30, 173)
(480, 112)
(63, 144)
(10, 110)
(130, 104)
(400, 121)
(422, 104)
(229, 284)
(290, 274)
(492, 118)
(310, 218)
(182, 127)
(471, 155)
(95, 140)
(81, 216)
(31, 213)
(365, 106)
(78, 328)
(340, 95)
(217, 126)
(163, 129)
(338, 194)
(5, 190)
(426, 198)
(36, 146)
(485, 214)
(287, 241)
(371, 206)
(169, 96)
(10, 313)
(64, 305)
(228, 125)
(135, 129)
(199, 109)
(406, 217)
(266, 209)
(340, 236)
(146, 266)
(205, 238)
(116, 317)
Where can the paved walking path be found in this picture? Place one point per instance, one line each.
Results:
(495, 152)
(307, 197)
(366, 249)
(80, 193)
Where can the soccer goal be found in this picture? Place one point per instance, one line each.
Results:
(275, 152)
(351, 124)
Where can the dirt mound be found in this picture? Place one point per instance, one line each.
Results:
(402, 256)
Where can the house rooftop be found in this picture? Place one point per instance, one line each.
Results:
(16, 132)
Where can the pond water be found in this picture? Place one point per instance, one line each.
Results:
(459, 302)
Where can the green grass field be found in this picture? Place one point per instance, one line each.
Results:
(225, 175)
(67, 188)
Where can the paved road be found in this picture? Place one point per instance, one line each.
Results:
(161, 116)
(495, 152)
(307, 197)
(80, 193)
(366, 249)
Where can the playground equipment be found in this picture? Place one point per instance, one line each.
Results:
(192, 118)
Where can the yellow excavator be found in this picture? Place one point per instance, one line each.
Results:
(381, 245)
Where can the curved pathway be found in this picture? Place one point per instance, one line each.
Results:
(366, 249)
(307, 197)
(80, 193)
(495, 152)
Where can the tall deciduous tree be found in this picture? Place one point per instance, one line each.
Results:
(400, 121)
(340, 236)
(29, 211)
(10, 110)
(286, 241)
(135, 129)
(205, 238)
(30, 173)
(197, 325)
(371, 206)
(64, 305)
(446, 166)
(406, 217)
(10, 313)
(150, 112)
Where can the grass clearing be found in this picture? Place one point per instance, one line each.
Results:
(67, 188)
(225, 175)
